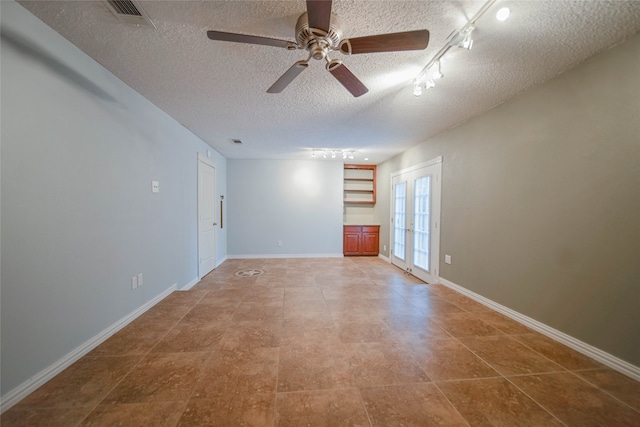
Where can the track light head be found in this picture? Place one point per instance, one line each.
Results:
(467, 41)
(438, 74)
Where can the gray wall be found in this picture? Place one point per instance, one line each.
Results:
(298, 202)
(79, 152)
(541, 202)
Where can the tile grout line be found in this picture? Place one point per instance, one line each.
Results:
(364, 406)
(143, 356)
(505, 378)
(275, 394)
(535, 401)
(193, 390)
(604, 391)
(451, 403)
(562, 368)
(518, 388)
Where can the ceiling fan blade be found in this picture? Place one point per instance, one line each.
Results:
(408, 40)
(243, 38)
(288, 77)
(319, 14)
(347, 78)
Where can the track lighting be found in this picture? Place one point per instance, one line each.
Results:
(438, 74)
(346, 154)
(417, 89)
(467, 41)
(462, 38)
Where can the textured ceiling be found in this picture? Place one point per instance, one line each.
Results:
(218, 89)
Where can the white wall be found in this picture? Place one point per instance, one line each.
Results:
(79, 151)
(359, 215)
(296, 202)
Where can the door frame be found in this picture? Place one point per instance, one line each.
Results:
(436, 205)
(202, 159)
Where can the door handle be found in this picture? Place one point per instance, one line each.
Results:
(215, 223)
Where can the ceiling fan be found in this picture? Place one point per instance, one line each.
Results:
(319, 32)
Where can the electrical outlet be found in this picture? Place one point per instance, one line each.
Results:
(279, 242)
(447, 259)
(139, 279)
(384, 248)
(155, 187)
(134, 282)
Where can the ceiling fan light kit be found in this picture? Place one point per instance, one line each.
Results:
(319, 32)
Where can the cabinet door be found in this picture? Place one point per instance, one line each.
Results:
(351, 243)
(351, 240)
(370, 243)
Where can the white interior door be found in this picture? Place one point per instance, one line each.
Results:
(415, 234)
(206, 216)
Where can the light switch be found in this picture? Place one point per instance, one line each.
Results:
(155, 187)
(447, 259)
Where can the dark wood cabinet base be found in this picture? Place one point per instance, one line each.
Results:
(361, 240)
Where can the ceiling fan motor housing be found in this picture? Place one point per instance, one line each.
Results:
(316, 41)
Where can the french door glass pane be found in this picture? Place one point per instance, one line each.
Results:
(422, 222)
(399, 219)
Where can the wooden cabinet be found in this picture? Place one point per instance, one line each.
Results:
(351, 242)
(361, 240)
(360, 184)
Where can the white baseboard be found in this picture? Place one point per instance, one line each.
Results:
(20, 392)
(285, 256)
(190, 285)
(384, 258)
(221, 261)
(595, 353)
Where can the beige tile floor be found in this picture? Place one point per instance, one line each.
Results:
(328, 342)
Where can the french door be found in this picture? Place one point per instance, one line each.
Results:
(415, 219)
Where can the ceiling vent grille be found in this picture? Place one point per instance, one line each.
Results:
(129, 12)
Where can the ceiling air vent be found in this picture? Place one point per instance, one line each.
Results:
(129, 12)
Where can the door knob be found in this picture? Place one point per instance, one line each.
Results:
(215, 223)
